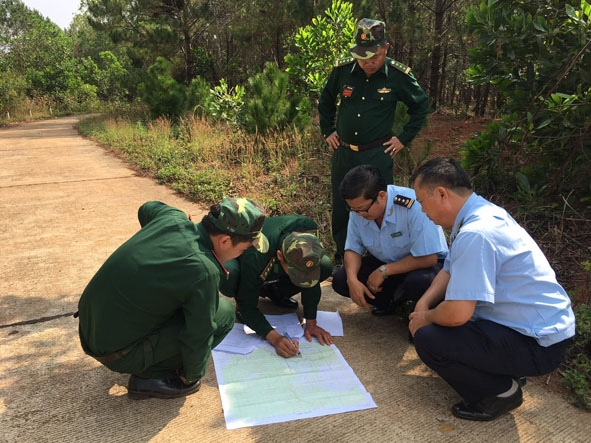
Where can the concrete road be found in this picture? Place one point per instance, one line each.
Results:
(66, 205)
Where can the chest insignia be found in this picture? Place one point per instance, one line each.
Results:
(347, 91)
(384, 90)
(401, 200)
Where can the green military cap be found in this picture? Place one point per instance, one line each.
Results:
(244, 217)
(370, 34)
(303, 252)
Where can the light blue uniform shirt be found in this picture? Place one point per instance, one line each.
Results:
(403, 232)
(495, 261)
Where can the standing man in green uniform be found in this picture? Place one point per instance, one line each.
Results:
(295, 262)
(367, 89)
(153, 308)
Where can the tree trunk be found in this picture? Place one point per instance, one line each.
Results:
(436, 55)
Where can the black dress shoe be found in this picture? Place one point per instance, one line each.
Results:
(381, 312)
(141, 388)
(489, 408)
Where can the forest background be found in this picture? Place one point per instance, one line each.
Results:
(218, 98)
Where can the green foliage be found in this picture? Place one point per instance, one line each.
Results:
(226, 102)
(38, 53)
(12, 91)
(482, 156)
(320, 45)
(577, 376)
(533, 54)
(162, 93)
(268, 105)
(153, 27)
(110, 77)
(199, 97)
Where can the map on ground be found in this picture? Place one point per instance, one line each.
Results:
(261, 387)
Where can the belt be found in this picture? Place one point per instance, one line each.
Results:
(371, 145)
(109, 358)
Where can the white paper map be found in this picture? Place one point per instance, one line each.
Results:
(261, 387)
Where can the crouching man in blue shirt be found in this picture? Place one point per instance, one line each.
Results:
(495, 312)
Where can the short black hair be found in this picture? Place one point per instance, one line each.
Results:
(362, 180)
(442, 171)
(214, 211)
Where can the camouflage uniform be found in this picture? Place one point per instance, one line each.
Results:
(294, 235)
(366, 115)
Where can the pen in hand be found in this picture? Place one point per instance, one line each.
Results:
(286, 335)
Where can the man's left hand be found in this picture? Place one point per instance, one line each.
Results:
(418, 319)
(313, 330)
(393, 147)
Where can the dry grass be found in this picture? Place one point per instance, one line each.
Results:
(288, 172)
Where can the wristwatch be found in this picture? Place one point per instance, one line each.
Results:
(383, 271)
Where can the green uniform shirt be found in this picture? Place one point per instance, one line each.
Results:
(255, 268)
(368, 105)
(167, 268)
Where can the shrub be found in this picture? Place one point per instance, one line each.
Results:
(577, 376)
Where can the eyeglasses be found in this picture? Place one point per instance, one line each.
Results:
(359, 211)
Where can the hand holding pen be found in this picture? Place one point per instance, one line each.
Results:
(293, 343)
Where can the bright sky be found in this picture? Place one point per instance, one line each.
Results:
(61, 12)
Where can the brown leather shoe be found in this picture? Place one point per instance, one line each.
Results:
(141, 388)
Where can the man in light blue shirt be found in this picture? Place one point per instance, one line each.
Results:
(495, 313)
(393, 251)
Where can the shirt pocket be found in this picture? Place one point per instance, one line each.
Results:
(398, 241)
(383, 94)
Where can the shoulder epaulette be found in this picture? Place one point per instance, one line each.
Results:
(345, 61)
(400, 66)
(263, 276)
(401, 200)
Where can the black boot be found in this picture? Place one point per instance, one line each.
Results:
(140, 388)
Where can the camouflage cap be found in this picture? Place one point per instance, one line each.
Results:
(242, 216)
(302, 252)
(370, 34)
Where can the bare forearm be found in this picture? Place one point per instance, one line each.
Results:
(451, 313)
(352, 262)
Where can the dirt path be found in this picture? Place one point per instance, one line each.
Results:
(66, 205)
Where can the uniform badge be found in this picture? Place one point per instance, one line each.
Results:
(384, 91)
(347, 91)
(401, 200)
(402, 68)
(396, 234)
